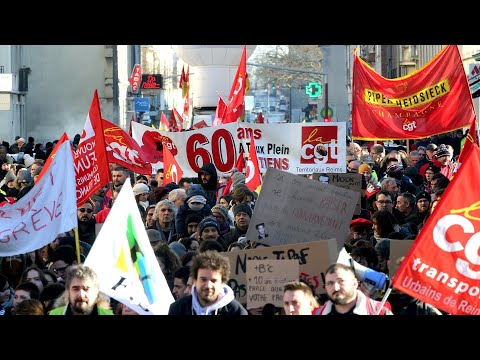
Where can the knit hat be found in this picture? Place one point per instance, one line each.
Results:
(140, 188)
(394, 169)
(221, 210)
(9, 176)
(441, 151)
(28, 160)
(423, 195)
(193, 217)
(24, 176)
(364, 167)
(154, 235)
(238, 177)
(367, 159)
(171, 186)
(178, 248)
(245, 208)
(208, 221)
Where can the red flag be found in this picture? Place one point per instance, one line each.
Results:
(236, 106)
(199, 125)
(91, 162)
(253, 175)
(185, 81)
(240, 166)
(470, 140)
(173, 122)
(164, 124)
(171, 170)
(442, 265)
(52, 155)
(435, 99)
(123, 150)
(220, 111)
(260, 119)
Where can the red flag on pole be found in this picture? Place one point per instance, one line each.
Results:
(434, 99)
(164, 124)
(91, 162)
(236, 106)
(171, 170)
(253, 175)
(220, 111)
(442, 265)
(123, 150)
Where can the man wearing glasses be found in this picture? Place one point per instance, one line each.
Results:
(86, 223)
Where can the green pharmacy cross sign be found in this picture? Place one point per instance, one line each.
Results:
(313, 89)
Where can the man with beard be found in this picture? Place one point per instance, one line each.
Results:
(82, 292)
(344, 297)
(208, 178)
(210, 293)
(86, 222)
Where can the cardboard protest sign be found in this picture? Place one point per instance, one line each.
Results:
(294, 209)
(313, 259)
(349, 181)
(266, 279)
(398, 248)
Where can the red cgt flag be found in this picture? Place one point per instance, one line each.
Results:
(175, 121)
(236, 106)
(253, 175)
(123, 150)
(433, 100)
(442, 267)
(172, 171)
(91, 161)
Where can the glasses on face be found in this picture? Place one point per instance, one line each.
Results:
(82, 210)
(60, 269)
(384, 202)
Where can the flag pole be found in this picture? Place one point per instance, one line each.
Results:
(77, 244)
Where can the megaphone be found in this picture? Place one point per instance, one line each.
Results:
(363, 273)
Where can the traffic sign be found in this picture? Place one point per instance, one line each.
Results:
(313, 89)
(142, 104)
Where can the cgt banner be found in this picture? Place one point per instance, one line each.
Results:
(295, 148)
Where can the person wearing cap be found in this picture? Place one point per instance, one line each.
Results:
(195, 202)
(430, 171)
(208, 179)
(360, 229)
(242, 214)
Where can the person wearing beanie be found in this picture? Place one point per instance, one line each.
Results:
(141, 192)
(237, 178)
(368, 177)
(209, 229)
(442, 159)
(178, 248)
(195, 202)
(25, 183)
(422, 201)
(242, 214)
(28, 160)
(430, 171)
(221, 214)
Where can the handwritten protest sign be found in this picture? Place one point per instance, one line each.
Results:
(313, 259)
(346, 181)
(266, 279)
(294, 209)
